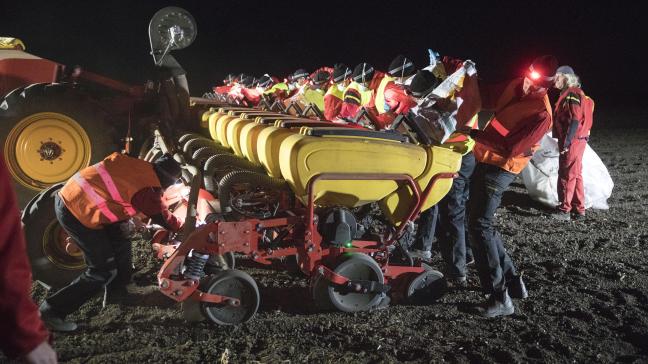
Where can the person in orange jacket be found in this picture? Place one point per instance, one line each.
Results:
(572, 125)
(92, 208)
(522, 116)
(23, 333)
(333, 98)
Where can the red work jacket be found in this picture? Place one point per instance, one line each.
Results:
(573, 106)
(517, 126)
(22, 329)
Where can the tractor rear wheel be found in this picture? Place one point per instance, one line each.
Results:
(54, 261)
(48, 133)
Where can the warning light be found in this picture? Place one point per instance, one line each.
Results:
(534, 75)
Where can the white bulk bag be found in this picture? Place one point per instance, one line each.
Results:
(541, 176)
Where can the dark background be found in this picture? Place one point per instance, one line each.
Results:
(603, 41)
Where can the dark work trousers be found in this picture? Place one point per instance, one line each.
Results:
(494, 265)
(108, 257)
(454, 246)
(426, 229)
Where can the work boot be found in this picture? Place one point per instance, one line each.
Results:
(578, 216)
(424, 255)
(126, 294)
(497, 304)
(516, 287)
(561, 216)
(55, 321)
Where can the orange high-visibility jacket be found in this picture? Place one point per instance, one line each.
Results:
(101, 194)
(517, 126)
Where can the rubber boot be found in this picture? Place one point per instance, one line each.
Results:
(498, 304)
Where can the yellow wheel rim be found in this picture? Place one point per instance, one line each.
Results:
(46, 148)
(54, 244)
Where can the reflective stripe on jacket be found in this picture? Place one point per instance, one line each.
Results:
(101, 194)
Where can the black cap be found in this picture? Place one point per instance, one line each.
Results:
(340, 72)
(423, 83)
(265, 81)
(299, 73)
(321, 77)
(167, 170)
(363, 72)
(545, 67)
(401, 66)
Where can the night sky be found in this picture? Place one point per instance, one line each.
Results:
(604, 42)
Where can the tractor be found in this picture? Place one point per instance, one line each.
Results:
(56, 120)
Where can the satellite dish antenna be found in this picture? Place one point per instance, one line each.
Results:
(170, 29)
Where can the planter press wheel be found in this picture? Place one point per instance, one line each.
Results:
(191, 308)
(236, 284)
(355, 266)
(426, 287)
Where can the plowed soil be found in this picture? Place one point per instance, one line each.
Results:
(588, 284)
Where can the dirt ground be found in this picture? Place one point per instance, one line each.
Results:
(588, 284)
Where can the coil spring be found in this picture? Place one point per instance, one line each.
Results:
(195, 265)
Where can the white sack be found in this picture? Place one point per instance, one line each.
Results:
(541, 176)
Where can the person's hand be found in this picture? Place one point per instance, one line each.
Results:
(42, 354)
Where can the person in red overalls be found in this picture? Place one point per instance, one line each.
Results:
(572, 124)
(335, 93)
(91, 207)
(390, 98)
(23, 334)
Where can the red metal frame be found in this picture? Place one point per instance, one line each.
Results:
(243, 237)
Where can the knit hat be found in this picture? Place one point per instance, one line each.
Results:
(566, 70)
(401, 66)
(423, 83)
(299, 74)
(363, 72)
(167, 170)
(543, 70)
(340, 72)
(321, 77)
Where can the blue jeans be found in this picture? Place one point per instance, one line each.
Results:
(108, 256)
(494, 265)
(452, 220)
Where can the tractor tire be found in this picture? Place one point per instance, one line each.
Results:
(48, 132)
(51, 263)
